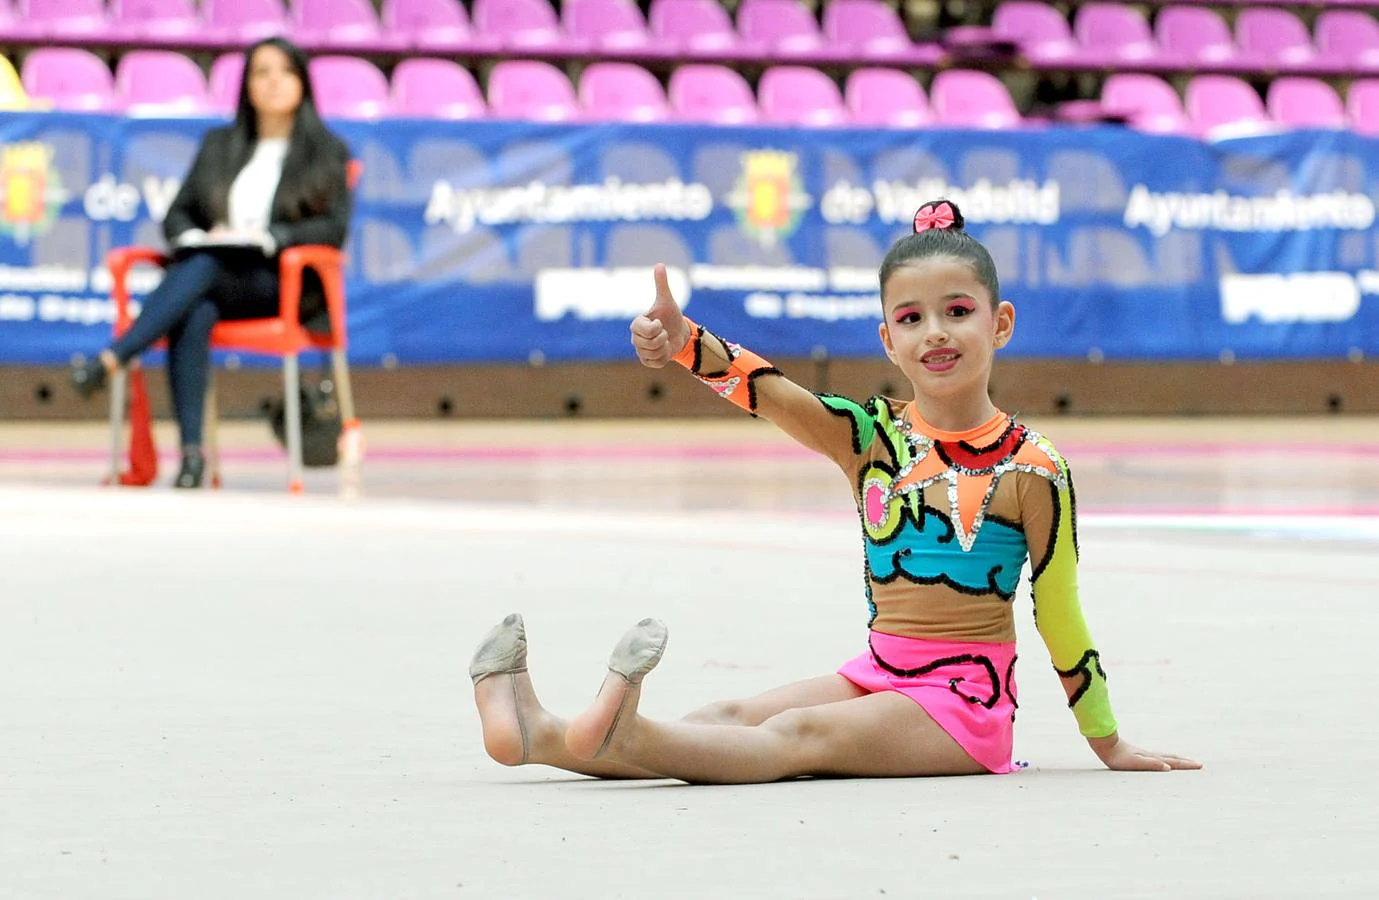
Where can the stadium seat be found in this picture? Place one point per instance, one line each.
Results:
(1147, 102)
(155, 21)
(69, 79)
(785, 27)
(1362, 104)
(622, 92)
(58, 20)
(1195, 34)
(436, 88)
(160, 82)
(349, 87)
(1304, 103)
(800, 95)
(345, 25)
(521, 24)
(696, 27)
(886, 98)
(1109, 33)
(1040, 31)
(1222, 105)
(711, 94)
(610, 25)
(245, 21)
(865, 29)
(438, 25)
(963, 98)
(223, 81)
(1274, 37)
(531, 90)
(1349, 37)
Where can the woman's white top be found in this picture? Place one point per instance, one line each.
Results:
(251, 193)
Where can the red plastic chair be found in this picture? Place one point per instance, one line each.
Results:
(282, 336)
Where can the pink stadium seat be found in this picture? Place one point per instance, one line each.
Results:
(1195, 34)
(713, 94)
(1114, 33)
(60, 19)
(245, 21)
(608, 24)
(1350, 37)
(698, 27)
(436, 89)
(622, 92)
(1305, 103)
(785, 27)
(886, 98)
(341, 25)
(223, 82)
(520, 24)
(439, 25)
(963, 98)
(1039, 30)
(348, 87)
(799, 95)
(1362, 103)
(151, 21)
(69, 79)
(1147, 101)
(160, 81)
(865, 29)
(1275, 36)
(532, 90)
(1221, 104)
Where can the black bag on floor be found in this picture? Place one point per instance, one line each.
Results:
(320, 423)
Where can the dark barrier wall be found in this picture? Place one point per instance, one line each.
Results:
(518, 243)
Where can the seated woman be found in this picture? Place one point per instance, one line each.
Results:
(272, 179)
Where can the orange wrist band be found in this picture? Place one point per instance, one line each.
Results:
(744, 368)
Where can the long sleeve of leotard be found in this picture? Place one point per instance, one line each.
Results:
(746, 380)
(1048, 512)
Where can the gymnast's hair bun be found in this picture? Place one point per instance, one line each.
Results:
(939, 215)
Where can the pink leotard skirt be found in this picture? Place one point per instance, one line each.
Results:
(967, 688)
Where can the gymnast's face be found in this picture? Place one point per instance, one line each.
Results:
(275, 88)
(942, 327)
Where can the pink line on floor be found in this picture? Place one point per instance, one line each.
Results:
(622, 452)
(1261, 511)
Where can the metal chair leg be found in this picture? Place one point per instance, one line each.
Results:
(340, 367)
(293, 410)
(119, 383)
(211, 421)
(351, 435)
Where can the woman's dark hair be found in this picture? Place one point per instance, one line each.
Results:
(307, 184)
(938, 232)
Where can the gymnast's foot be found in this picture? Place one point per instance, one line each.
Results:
(600, 728)
(503, 692)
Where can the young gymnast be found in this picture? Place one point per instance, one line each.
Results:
(953, 496)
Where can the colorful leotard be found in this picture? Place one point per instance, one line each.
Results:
(948, 520)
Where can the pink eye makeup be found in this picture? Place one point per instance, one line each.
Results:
(901, 313)
(965, 306)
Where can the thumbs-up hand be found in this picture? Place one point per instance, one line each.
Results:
(662, 331)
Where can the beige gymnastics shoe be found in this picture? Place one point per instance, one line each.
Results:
(503, 651)
(639, 650)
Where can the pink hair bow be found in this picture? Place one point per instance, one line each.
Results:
(939, 215)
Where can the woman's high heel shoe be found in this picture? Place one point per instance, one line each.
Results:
(193, 469)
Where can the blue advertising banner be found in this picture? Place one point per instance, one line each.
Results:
(493, 241)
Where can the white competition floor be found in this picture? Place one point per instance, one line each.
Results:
(244, 694)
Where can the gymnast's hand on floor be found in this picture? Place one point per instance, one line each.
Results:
(1123, 756)
(662, 332)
